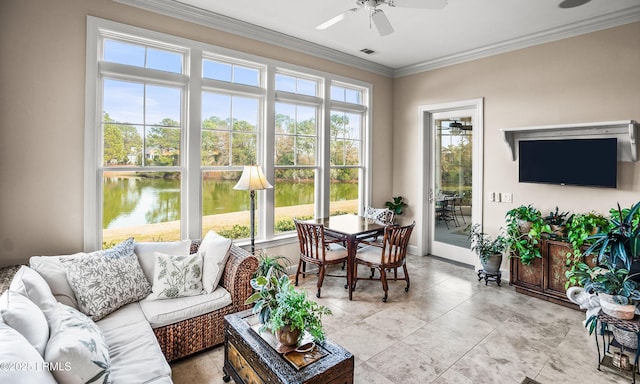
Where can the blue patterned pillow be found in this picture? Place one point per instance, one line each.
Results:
(104, 281)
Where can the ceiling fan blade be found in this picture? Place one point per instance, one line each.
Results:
(382, 23)
(336, 19)
(427, 4)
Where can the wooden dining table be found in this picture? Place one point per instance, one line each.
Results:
(351, 229)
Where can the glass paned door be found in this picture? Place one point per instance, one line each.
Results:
(451, 184)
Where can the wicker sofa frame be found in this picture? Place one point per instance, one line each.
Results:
(205, 331)
(201, 332)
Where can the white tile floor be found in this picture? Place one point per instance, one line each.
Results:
(449, 328)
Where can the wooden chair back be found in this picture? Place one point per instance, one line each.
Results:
(395, 244)
(381, 215)
(312, 244)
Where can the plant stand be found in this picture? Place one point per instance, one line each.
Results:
(482, 274)
(605, 356)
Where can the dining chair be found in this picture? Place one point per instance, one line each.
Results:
(381, 215)
(315, 249)
(390, 254)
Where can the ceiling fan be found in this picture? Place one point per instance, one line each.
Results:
(377, 16)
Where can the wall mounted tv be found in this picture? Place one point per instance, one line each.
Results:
(584, 162)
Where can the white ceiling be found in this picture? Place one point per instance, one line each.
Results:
(423, 38)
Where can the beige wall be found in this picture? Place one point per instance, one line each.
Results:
(42, 97)
(589, 78)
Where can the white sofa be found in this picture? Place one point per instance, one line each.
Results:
(144, 335)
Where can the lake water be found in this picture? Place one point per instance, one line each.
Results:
(133, 201)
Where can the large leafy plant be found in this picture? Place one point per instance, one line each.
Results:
(264, 297)
(580, 227)
(620, 244)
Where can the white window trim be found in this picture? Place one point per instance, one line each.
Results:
(191, 194)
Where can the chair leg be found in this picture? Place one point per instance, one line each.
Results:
(320, 278)
(406, 275)
(385, 286)
(298, 271)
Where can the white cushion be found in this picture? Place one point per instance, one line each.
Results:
(104, 281)
(145, 252)
(129, 314)
(215, 253)
(164, 312)
(24, 316)
(176, 276)
(29, 283)
(51, 269)
(135, 354)
(78, 342)
(26, 366)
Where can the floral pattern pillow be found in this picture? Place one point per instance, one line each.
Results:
(104, 281)
(79, 348)
(176, 276)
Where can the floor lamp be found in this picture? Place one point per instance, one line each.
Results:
(252, 179)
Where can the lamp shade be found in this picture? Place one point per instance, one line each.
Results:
(252, 179)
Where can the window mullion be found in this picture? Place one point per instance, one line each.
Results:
(192, 177)
(268, 155)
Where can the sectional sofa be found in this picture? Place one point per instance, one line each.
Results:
(141, 336)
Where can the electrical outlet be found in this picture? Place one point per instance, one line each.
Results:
(507, 197)
(498, 197)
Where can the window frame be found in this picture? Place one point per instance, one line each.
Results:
(194, 84)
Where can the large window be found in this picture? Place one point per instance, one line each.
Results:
(171, 123)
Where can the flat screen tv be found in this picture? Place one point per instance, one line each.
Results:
(584, 162)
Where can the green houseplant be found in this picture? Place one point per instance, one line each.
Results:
(266, 262)
(524, 228)
(397, 205)
(280, 306)
(295, 313)
(489, 250)
(557, 222)
(579, 228)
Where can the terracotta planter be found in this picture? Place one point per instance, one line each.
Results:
(558, 230)
(611, 308)
(286, 336)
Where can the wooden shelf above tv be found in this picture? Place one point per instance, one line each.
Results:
(625, 131)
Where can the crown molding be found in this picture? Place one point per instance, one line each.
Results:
(254, 32)
(609, 20)
(241, 28)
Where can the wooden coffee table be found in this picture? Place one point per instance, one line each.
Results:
(248, 358)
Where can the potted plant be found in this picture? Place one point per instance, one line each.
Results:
(579, 228)
(295, 313)
(524, 228)
(619, 245)
(284, 310)
(266, 262)
(396, 205)
(488, 250)
(618, 293)
(556, 221)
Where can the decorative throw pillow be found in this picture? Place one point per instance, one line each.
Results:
(16, 349)
(24, 316)
(147, 259)
(29, 283)
(51, 269)
(176, 276)
(214, 250)
(103, 282)
(79, 348)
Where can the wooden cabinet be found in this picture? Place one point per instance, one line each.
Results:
(544, 278)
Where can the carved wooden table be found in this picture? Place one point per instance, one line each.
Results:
(248, 358)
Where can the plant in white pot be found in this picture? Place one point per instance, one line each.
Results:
(488, 249)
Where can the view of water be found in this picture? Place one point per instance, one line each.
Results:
(133, 201)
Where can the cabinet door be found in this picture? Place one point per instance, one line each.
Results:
(555, 267)
(529, 276)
